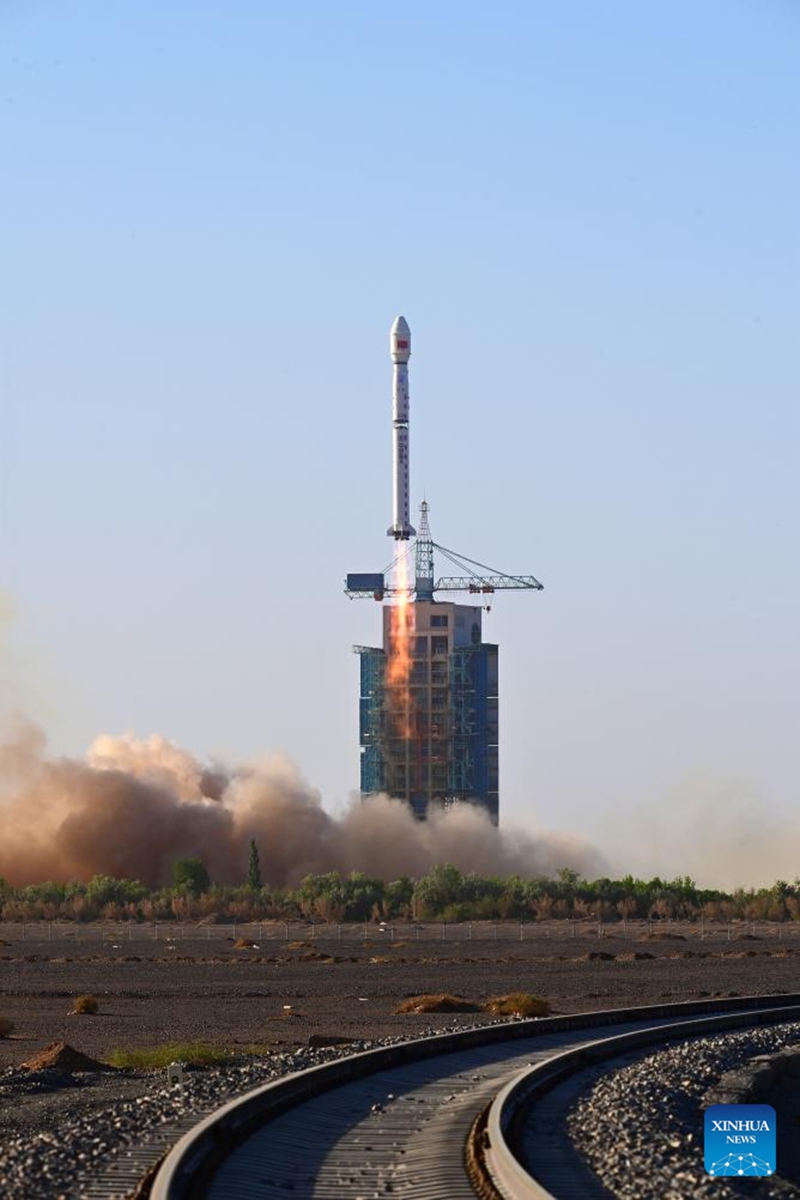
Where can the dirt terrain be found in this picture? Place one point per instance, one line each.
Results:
(282, 989)
(235, 992)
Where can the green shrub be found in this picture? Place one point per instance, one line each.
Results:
(151, 1058)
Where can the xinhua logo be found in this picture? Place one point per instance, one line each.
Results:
(739, 1139)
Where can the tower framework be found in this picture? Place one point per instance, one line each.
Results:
(433, 736)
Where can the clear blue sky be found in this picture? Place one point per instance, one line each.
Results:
(210, 215)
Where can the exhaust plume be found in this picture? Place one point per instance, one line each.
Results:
(399, 662)
(132, 806)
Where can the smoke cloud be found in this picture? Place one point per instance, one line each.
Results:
(724, 831)
(133, 806)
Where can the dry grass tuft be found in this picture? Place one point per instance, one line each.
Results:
(441, 1002)
(518, 1004)
(6, 1027)
(86, 1006)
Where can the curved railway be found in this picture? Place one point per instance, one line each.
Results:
(396, 1121)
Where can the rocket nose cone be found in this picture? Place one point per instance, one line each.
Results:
(400, 340)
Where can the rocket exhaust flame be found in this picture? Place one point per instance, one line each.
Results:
(399, 663)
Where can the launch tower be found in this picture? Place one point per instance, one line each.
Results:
(428, 709)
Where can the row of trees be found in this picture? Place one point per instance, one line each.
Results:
(445, 893)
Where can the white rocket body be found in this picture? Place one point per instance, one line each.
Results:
(400, 348)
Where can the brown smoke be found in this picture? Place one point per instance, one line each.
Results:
(132, 807)
(724, 831)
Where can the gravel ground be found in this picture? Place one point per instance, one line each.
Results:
(151, 992)
(86, 1121)
(641, 1126)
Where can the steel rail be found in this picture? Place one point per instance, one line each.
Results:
(501, 1163)
(397, 1119)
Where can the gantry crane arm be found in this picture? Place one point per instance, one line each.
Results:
(486, 583)
(482, 579)
(478, 578)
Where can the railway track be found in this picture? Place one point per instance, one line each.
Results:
(396, 1121)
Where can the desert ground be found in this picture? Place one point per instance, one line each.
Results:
(274, 988)
(277, 985)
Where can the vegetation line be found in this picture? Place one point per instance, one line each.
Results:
(445, 894)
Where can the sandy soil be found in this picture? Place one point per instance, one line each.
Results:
(156, 991)
(197, 984)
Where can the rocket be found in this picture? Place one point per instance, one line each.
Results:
(400, 349)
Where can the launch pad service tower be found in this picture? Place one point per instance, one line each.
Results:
(429, 700)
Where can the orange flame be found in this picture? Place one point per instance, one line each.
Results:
(398, 666)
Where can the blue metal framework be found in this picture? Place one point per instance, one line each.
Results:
(459, 732)
(474, 708)
(373, 672)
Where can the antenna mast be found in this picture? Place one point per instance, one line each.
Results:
(424, 556)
